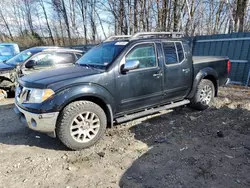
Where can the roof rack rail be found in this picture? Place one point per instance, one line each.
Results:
(157, 35)
(117, 37)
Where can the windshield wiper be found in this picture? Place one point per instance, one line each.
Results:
(86, 65)
(89, 66)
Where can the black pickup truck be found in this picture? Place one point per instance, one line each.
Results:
(115, 82)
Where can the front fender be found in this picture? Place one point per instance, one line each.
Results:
(206, 72)
(67, 95)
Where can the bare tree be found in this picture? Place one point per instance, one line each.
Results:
(66, 19)
(29, 7)
(67, 22)
(6, 24)
(242, 13)
(135, 16)
(83, 5)
(47, 21)
(92, 19)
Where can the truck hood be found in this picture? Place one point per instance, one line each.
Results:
(45, 78)
(4, 67)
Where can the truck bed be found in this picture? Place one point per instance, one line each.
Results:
(218, 63)
(202, 59)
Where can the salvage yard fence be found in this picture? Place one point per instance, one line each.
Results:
(235, 45)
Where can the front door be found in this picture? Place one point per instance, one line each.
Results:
(178, 71)
(141, 87)
(49, 60)
(43, 61)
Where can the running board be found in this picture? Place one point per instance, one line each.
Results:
(150, 111)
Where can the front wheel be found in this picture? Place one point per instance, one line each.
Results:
(81, 124)
(204, 95)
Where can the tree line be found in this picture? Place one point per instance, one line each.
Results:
(68, 22)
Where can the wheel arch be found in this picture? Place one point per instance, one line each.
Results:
(95, 94)
(100, 102)
(206, 73)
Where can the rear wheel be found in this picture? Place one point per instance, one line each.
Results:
(81, 124)
(204, 95)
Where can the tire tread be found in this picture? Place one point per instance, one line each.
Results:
(64, 117)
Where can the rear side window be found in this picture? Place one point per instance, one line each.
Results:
(179, 51)
(186, 47)
(173, 52)
(64, 58)
(170, 53)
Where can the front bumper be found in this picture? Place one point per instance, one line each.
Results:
(45, 122)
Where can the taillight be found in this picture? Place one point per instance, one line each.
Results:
(228, 67)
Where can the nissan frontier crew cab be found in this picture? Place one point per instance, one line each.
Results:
(117, 81)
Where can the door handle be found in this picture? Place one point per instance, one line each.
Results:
(157, 75)
(186, 70)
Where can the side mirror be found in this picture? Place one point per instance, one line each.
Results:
(130, 65)
(30, 64)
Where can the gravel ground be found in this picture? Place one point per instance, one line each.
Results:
(179, 148)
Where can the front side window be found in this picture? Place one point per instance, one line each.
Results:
(44, 60)
(145, 54)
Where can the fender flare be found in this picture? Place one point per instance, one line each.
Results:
(208, 73)
(92, 92)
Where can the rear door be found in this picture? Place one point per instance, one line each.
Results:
(177, 71)
(141, 87)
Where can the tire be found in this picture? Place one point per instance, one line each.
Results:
(204, 95)
(81, 124)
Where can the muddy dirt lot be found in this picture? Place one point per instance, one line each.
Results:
(180, 148)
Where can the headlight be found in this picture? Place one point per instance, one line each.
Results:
(39, 95)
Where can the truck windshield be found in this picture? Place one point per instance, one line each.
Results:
(20, 58)
(103, 54)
